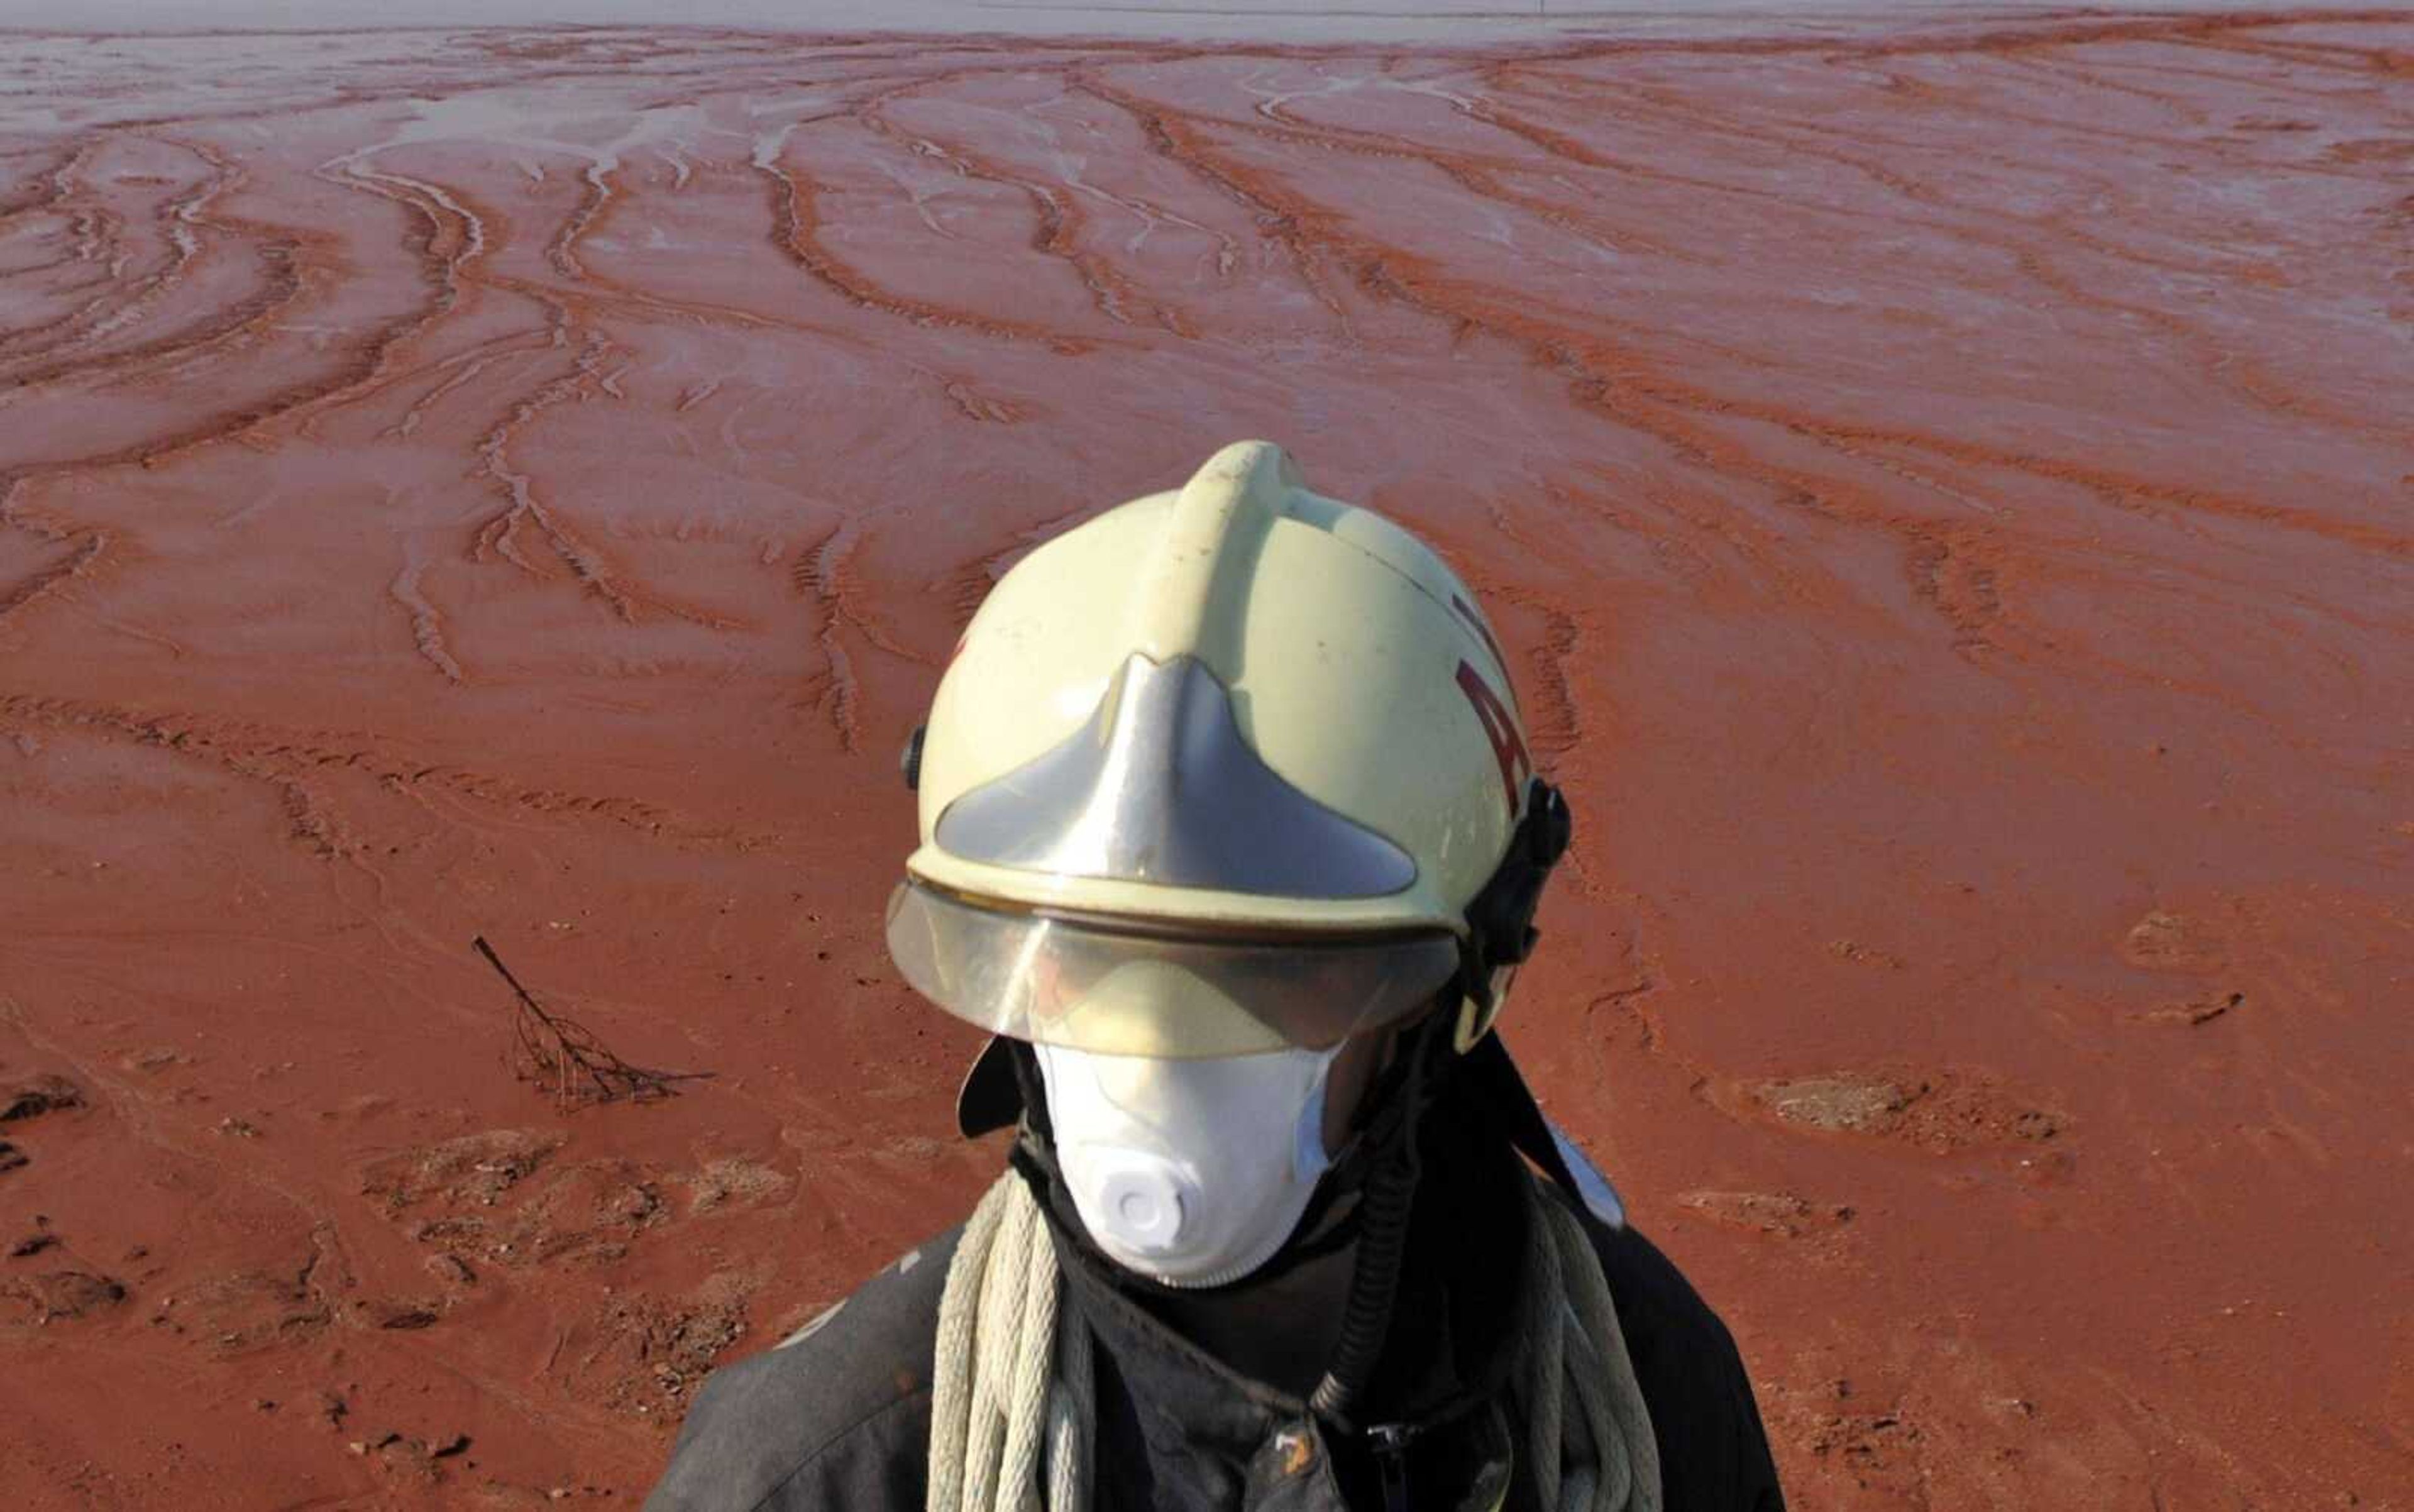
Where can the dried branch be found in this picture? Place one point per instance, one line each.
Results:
(564, 1058)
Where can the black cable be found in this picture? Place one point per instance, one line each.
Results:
(1385, 1207)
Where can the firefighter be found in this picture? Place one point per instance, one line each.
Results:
(1232, 840)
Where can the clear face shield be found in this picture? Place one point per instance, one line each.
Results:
(1107, 988)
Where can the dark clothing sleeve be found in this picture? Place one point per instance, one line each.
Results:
(1713, 1452)
(838, 1416)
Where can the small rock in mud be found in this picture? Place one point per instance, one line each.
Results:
(2192, 1011)
(1836, 1102)
(584, 1213)
(644, 1355)
(451, 1269)
(472, 1170)
(61, 1295)
(1880, 1450)
(32, 1244)
(1836, 1428)
(240, 1311)
(406, 1456)
(736, 1180)
(43, 1094)
(1769, 1212)
(2048, 1168)
(12, 1157)
(2171, 942)
(398, 1312)
(1852, 951)
(1941, 1113)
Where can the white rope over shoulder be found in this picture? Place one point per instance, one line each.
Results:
(1012, 1381)
(1013, 1411)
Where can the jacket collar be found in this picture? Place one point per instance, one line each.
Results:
(1206, 1424)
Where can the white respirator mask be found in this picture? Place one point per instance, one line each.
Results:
(1191, 1173)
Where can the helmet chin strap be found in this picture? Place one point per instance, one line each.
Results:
(1501, 935)
(1386, 1199)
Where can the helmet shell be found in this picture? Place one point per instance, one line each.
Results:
(1357, 665)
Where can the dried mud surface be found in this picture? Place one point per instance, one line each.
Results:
(1946, 486)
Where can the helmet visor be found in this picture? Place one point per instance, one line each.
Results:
(1119, 990)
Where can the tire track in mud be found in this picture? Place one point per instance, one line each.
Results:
(498, 536)
(587, 564)
(427, 621)
(1957, 571)
(595, 197)
(795, 197)
(49, 187)
(1062, 224)
(454, 234)
(81, 548)
(451, 239)
(1478, 175)
(96, 231)
(1601, 374)
(90, 544)
(283, 272)
(823, 573)
(2220, 363)
(287, 759)
(1626, 386)
(1170, 137)
(450, 251)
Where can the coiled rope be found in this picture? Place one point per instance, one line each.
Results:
(1573, 1345)
(1012, 1377)
(1013, 1408)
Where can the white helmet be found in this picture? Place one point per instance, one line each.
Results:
(1230, 769)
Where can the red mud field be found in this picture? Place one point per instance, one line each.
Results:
(1946, 487)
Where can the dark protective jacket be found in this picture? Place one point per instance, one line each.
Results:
(840, 1417)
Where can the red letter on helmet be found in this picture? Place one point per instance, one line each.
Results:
(1508, 746)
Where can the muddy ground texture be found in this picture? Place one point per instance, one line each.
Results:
(1945, 486)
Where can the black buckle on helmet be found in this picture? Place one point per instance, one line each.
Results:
(1501, 916)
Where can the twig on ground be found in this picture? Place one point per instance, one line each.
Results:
(564, 1058)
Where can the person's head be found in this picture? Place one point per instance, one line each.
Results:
(1227, 813)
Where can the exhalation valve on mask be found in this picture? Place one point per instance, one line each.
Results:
(1191, 1173)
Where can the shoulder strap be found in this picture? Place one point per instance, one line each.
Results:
(1495, 1078)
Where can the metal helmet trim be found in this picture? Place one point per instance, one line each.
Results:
(1159, 786)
